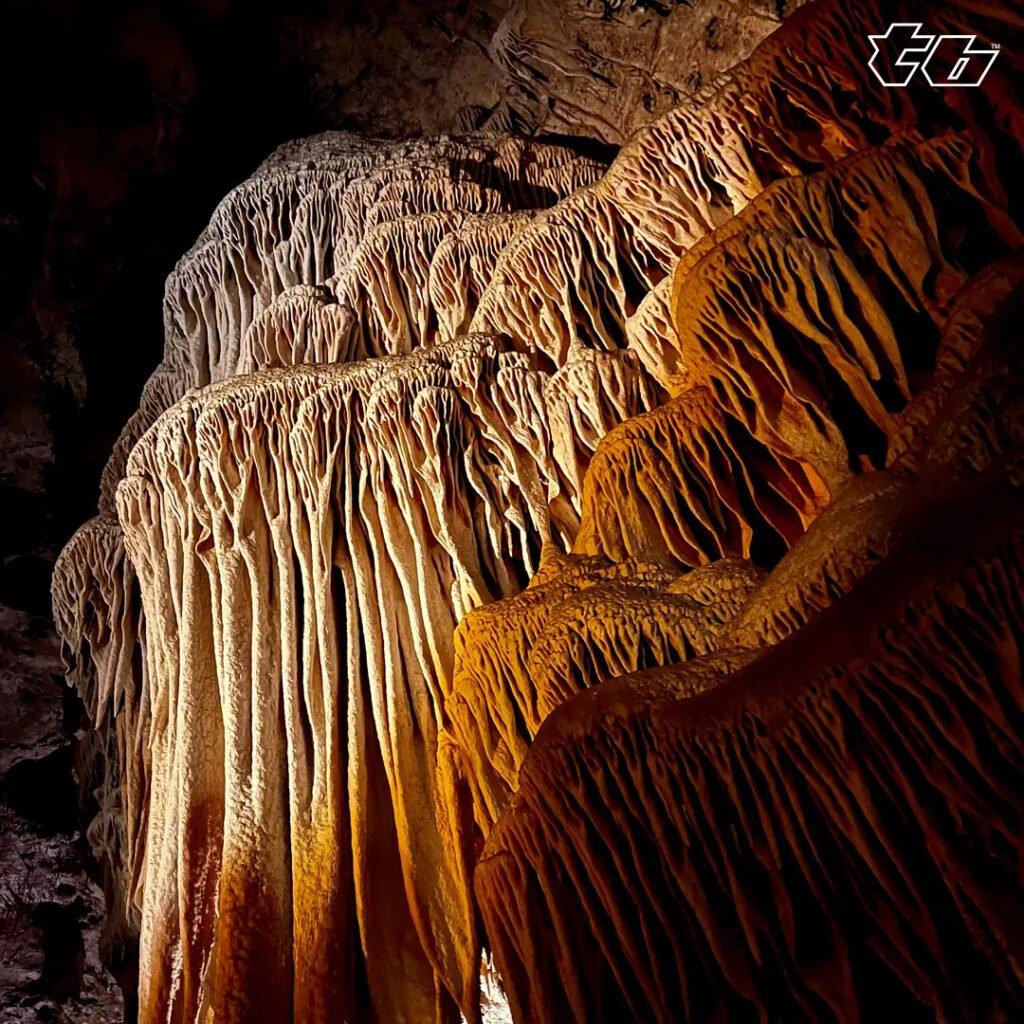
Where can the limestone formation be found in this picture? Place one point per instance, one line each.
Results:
(515, 555)
(96, 603)
(784, 794)
(821, 811)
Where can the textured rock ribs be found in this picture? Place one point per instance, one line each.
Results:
(812, 818)
(837, 810)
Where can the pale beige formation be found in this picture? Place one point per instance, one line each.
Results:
(96, 604)
(472, 452)
(320, 530)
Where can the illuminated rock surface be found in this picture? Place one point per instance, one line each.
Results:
(511, 553)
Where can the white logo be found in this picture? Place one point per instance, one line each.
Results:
(945, 61)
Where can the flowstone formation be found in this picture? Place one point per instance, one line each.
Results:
(517, 554)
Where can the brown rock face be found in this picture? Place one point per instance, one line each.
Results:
(799, 821)
(519, 554)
